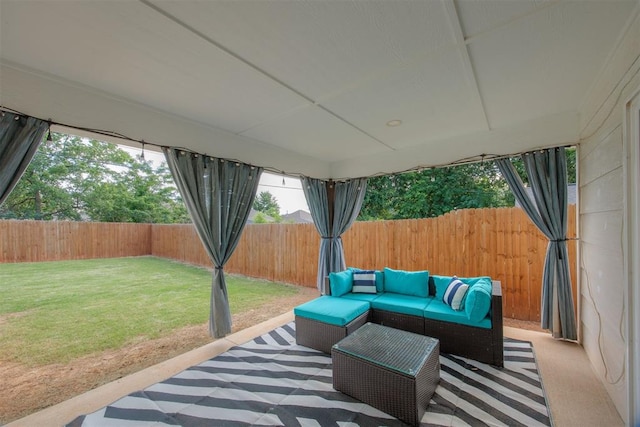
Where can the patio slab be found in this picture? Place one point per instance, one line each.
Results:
(575, 395)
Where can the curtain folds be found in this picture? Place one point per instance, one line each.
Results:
(218, 195)
(333, 210)
(20, 138)
(547, 173)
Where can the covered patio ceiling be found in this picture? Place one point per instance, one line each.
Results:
(316, 87)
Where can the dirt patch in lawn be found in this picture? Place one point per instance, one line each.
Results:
(24, 390)
(27, 390)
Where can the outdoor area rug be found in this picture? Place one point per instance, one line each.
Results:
(271, 381)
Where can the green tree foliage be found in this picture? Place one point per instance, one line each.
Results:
(433, 192)
(72, 178)
(519, 167)
(266, 203)
(260, 219)
(571, 166)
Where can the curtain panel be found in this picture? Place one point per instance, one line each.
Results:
(218, 194)
(333, 210)
(547, 174)
(20, 138)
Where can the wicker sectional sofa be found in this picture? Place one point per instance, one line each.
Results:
(411, 301)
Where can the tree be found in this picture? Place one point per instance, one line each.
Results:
(571, 166)
(72, 178)
(518, 164)
(266, 203)
(433, 192)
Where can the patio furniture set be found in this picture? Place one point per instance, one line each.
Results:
(385, 330)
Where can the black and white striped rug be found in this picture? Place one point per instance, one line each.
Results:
(271, 381)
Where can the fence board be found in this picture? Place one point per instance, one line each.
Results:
(34, 241)
(502, 243)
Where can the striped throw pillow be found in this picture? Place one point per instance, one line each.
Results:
(454, 295)
(364, 282)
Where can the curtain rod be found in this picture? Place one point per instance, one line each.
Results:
(467, 160)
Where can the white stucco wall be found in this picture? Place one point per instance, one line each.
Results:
(604, 313)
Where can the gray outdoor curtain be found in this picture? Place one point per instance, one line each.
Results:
(332, 218)
(218, 194)
(547, 173)
(20, 138)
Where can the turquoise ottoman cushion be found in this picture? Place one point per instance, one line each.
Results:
(336, 311)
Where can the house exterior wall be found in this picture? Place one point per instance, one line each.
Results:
(604, 311)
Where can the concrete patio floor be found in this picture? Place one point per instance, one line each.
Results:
(574, 394)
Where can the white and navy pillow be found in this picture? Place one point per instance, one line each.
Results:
(364, 282)
(454, 295)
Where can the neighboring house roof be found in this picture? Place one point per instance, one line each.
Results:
(571, 195)
(252, 216)
(298, 217)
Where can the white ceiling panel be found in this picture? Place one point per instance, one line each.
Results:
(320, 47)
(545, 63)
(434, 99)
(477, 17)
(128, 49)
(308, 86)
(316, 133)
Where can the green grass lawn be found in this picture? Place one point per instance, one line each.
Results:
(54, 312)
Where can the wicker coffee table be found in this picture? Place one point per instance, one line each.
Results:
(392, 370)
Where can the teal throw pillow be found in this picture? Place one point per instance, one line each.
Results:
(341, 283)
(478, 301)
(415, 283)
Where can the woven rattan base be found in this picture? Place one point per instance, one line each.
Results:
(322, 336)
(405, 396)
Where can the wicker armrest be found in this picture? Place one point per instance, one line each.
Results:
(497, 323)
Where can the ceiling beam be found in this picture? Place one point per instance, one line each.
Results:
(469, 71)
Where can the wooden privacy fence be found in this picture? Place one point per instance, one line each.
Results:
(502, 243)
(33, 241)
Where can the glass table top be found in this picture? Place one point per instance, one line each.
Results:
(394, 349)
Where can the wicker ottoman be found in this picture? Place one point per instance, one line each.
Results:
(322, 322)
(392, 370)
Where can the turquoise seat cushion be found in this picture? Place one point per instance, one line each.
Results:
(439, 310)
(336, 311)
(400, 303)
(415, 283)
(341, 282)
(360, 296)
(478, 300)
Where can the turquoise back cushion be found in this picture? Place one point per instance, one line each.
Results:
(414, 283)
(442, 282)
(478, 299)
(341, 282)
